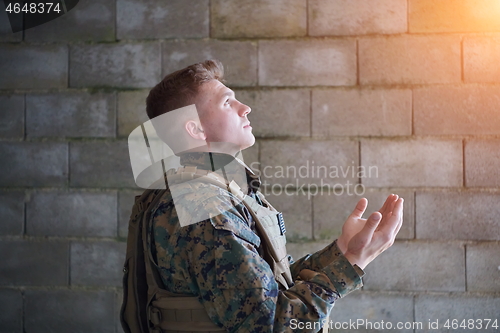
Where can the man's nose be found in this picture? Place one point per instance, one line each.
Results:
(245, 109)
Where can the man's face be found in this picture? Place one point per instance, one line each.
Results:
(223, 117)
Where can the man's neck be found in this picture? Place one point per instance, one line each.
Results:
(206, 160)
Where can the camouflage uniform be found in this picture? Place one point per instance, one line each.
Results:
(221, 261)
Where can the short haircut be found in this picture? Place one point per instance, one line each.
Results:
(180, 88)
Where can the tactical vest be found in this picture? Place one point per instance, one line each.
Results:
(149, 308)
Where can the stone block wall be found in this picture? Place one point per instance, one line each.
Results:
(349, 98)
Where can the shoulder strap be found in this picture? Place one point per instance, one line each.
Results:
(153, 278)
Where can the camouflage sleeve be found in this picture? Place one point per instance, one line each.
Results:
(220, 262)
(323, 259)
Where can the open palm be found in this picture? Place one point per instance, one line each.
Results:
(364, 239)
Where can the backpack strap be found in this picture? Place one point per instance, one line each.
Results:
(133, 315)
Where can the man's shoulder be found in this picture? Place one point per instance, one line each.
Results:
(197, 200)
(189, 192)
(202, 192)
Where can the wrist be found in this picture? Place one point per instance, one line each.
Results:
(341, 245)
(344, 276)
(355, 260)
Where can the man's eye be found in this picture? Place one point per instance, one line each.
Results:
(227, 101)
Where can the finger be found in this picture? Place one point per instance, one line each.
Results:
(395, 219)
(399, 226)
(384, 206)
(400, 214)
(383, 209)
(366, 234)
(360, 208)
(393, 203)
(389, 208)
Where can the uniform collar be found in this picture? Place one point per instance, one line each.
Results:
(218, 162)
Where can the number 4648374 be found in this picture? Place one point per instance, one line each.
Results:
(33, 8)
(471, 324)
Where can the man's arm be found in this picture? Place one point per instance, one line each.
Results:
(246, 297)
(219, 261)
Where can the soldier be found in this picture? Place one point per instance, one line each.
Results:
(216, 239)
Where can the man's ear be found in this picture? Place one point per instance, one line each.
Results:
(195, 131)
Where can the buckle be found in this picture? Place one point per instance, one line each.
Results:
(154, 316)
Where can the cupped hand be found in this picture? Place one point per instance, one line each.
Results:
(363, 240)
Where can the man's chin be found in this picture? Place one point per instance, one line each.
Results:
(248, 144)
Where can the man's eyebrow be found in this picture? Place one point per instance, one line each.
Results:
(228, 93)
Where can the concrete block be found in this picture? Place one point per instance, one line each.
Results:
(11, 213)
(299, 250)
(12, 117)
(33, 164)
(125, 204)
(297, 212)
(264, 18)
(156, 19)
(361, 112)
(11, 310)
(332, 210)
(238, 57)
(457, 215)
(482, 163)
(97, 263)
(6, 34)
(483, 267)
(74, 114)
(440, 309)
(347, 17)
(481, 56)
(410, 163)
(33, 66)
(418, 266)
(409, 60)
(72, 214)
(461, 110)
(311, 164)
(453, 16)
(369, 310)
(92, 20)
(100, 164)
(30, 263)
(77, 311)
(116, 65)
(131, 108)
(278, 112)
(307, 63)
